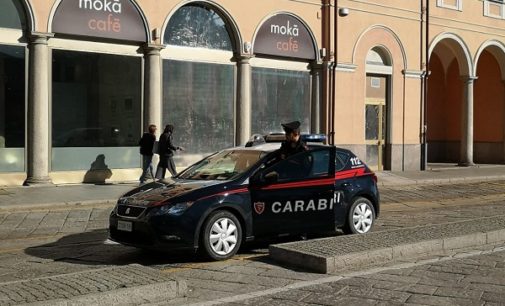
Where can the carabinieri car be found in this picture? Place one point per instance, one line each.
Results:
(243, 193)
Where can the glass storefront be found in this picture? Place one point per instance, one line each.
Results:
(198, 100)
(199, 95)
(96, 110)
(279, 96)
(12, 108)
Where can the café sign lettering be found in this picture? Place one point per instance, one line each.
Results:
(110, 19)
(285, 36)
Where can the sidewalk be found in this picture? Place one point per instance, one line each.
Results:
(22, 198)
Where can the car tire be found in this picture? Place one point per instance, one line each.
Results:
(360, 217)
(221, 235)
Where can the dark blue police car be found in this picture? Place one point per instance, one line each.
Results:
(241, 193)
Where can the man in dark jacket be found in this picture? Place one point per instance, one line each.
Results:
(293, 143)
(166, 150)
(146, 144)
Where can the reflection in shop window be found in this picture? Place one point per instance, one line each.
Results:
(12, 108)
(96, 103)
(197, 27)
(198, 100)
(279, 96)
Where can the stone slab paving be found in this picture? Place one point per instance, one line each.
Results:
(49, 290)
(346, 252)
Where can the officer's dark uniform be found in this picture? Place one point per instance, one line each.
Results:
(287, 148)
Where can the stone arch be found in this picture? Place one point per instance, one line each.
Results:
(458, 47)
(378, 40)
(233, 30)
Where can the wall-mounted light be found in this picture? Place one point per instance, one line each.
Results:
(343, 11)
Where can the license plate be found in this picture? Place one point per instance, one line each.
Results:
(124, 226)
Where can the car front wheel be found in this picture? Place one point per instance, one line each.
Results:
(361, 217)
(222, 235)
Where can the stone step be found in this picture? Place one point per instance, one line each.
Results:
(334, 254)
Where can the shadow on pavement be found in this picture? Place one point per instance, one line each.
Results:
(93, 248)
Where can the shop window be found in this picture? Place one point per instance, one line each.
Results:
(96, 110)
(494, 9)
(12, 108)
(197, 26)
(279, 96)
(198, 100)
(451, 4)
(10, 10)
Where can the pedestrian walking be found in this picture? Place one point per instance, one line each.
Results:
(166, 150)
(146, 144)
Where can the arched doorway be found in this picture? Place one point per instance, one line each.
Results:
(199, 80)
(489, 106)
(377, 106)
(447, 114)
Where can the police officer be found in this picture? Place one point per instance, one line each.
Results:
(293, 143)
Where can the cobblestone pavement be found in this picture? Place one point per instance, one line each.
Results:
(55, 242)
(471, 278)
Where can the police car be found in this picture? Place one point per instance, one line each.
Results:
(245, 193)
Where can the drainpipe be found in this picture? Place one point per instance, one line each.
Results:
(424, 78)
(326, 45)
(334, 74)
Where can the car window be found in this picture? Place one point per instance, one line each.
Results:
(223, 165)
(341, 159)
(305, 165)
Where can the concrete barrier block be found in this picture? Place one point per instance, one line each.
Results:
(299, 259)
(418, 248)
(496, 236)
(465, 241)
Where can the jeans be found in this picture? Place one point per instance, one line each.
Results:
(147, 168)
(170, 165)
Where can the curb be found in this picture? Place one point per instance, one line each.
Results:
(387, 181)
(320, 255)
(160, 292)
(56, 205)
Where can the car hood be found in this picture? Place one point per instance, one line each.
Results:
(158, 192)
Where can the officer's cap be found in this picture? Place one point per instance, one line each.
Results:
(291, 126)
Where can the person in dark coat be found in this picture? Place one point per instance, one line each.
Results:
(146, 144)
(293, 143)
(166, 150)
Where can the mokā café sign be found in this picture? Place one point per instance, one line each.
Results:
(112, 19)
(285, 36)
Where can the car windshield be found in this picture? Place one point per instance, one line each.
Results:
(223, 165)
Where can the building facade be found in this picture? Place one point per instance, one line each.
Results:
(401, 83)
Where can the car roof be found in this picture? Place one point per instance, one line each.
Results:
(270, 147)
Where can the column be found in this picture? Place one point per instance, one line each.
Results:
(243, 112)
(315, 104)
(153, 86)
(37, 165)
(466, 148)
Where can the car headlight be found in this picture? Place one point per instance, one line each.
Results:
(174, 210)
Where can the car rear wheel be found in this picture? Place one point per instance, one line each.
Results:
(361, 217)
(222, 235)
